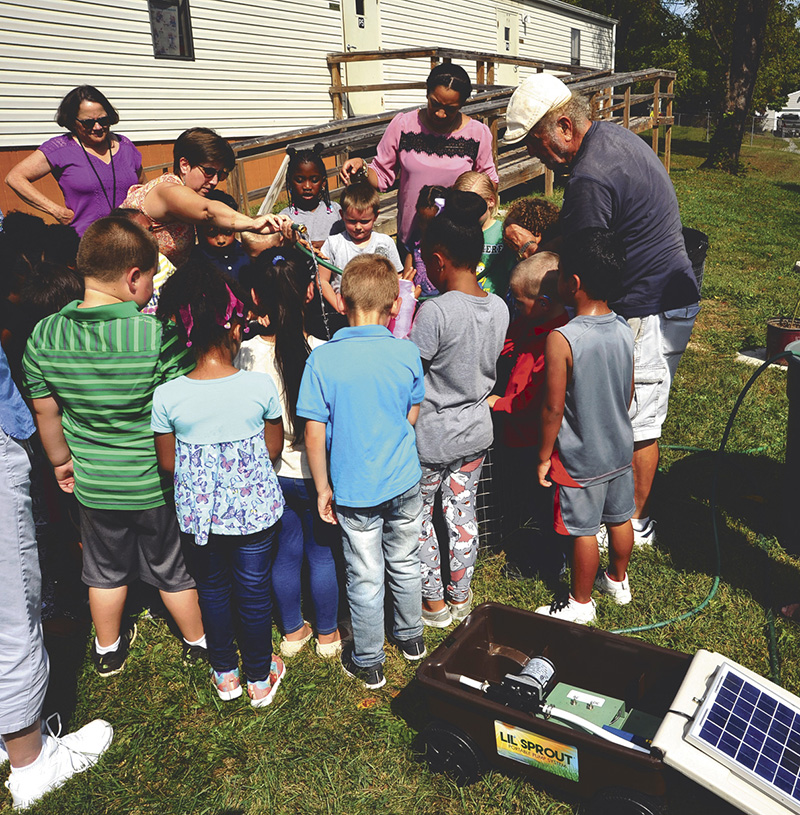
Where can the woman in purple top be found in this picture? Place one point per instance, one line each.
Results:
(432, 145)
(93, 166)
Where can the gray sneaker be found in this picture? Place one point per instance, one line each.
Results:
(437, 619)
(458, 611)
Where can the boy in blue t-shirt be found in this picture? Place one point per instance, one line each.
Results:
(360, 395)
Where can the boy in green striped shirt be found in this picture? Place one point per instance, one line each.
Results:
(90, 371)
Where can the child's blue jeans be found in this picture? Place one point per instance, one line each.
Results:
(382, 540)
(233, 573)
(304, 533)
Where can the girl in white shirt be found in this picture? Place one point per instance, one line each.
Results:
(280, 286)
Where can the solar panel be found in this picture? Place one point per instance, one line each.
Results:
(742, 724)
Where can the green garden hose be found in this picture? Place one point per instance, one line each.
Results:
(314, 256)
(714, 485)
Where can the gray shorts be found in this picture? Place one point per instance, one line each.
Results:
(581, 510)
(659, 341)
(23, 660)
(121, 545)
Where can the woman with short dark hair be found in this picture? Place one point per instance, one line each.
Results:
(174, 203)
(93, 166)
(431, 145)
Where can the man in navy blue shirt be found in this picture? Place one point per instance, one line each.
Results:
(617, 182)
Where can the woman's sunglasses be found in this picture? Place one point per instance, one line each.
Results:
(103, 121)
(210, 172)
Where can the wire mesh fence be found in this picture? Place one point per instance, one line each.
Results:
(780, 125)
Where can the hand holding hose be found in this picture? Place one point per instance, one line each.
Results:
(271, 224)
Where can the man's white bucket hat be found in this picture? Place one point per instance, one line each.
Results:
(535, 96)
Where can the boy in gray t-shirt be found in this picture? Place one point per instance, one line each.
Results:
(586, 444)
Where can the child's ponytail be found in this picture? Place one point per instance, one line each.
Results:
(204, 303)
(457, 229)
(278, 279)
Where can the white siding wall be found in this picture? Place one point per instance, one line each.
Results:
(472, 25)
(547, 35)
(259, 67)
(792, 106)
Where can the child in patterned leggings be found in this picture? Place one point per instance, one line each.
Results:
(460, 336)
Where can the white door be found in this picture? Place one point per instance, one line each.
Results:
(362, 32)
(507, 45)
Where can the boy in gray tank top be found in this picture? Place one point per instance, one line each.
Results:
(586, 444)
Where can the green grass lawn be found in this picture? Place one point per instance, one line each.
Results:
(327, 746)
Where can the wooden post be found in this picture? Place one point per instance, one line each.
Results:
(243, 196)
(480, 72)
(549, 178)
(232, 186)
(447, 60)
(626, 111)
(434, 62)
(490, 77)
(656, 106)
(668, 133)
(493, 122)
(336, 82)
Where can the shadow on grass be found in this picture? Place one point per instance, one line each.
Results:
(687, 147)
(789, 186)
(66, 642)
(749, 497)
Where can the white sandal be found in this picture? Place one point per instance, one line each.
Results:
(291, 648)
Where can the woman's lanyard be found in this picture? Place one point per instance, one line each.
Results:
(97, 175)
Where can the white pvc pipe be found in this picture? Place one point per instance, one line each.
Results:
(472, 683)
(566, 716)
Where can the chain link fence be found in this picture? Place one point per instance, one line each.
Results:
(785, 125)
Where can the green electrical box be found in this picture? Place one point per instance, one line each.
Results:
(594, 707)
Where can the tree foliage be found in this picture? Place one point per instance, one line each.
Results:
(695, 40)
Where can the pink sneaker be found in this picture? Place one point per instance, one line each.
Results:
(227, 684)
(263, 692)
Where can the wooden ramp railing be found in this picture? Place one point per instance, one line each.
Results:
(484, 69)
(611, 95)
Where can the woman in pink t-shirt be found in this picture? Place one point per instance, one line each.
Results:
(432, 145)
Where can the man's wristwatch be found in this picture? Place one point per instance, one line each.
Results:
(523, 248)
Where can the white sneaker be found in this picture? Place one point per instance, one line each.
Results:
(60, 759)
(570, 610)
(647, 537)
(619, 591)
(602, 538)
(45, 730)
